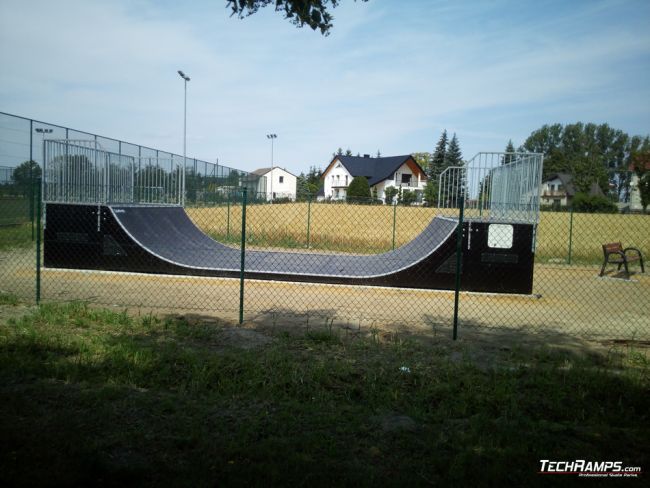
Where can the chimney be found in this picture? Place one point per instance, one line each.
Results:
(366, 155)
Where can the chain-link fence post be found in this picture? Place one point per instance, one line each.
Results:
(243, 255)
(39, 212)
(228, 215)
(394, 222)
(570, 235)
(459, 262)
(308, 221)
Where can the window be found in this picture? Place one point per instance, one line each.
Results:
(346, 180)
(406, 179)
(281, 179)
(500, 236)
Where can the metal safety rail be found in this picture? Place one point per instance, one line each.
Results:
(81, 171)
(496, 186)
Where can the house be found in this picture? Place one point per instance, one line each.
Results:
(558, 190)
(382, 172)
(278, 183)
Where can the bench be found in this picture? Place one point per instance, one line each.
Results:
(615, 254)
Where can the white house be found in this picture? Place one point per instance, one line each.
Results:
(279, 183)
(382, 172)
(558, 190)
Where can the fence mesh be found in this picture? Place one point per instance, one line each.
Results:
(286, 244)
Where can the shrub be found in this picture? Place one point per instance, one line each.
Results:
(592, 204)
(359, 190)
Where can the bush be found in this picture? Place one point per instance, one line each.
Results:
(359, 190)
(592, 204)
(389, 194)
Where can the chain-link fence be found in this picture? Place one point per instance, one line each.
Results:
(316, 263)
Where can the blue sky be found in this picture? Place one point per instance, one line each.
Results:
(390, 77)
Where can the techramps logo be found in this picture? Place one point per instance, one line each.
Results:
(589, 469)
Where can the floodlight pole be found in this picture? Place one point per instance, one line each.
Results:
(186, 79)
(272, 137)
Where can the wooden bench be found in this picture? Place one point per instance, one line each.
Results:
(615, 254)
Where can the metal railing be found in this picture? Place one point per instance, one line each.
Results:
(495, 186)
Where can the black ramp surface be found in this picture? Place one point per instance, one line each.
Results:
(169, 234)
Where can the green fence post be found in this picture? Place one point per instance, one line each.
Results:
(309, 221)
(243, 256)
(228, 218)
(570, 235)
(38, 241)
(394, 221)
(459, 263)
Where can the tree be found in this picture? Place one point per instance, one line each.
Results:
(25, 175)
(313, 13)
(510, 148)
(408, 197)
(389, 194)
(423, 159)
(437, 165)
(589, 152)
(358, 190)
(641, 165)
(378, 153)
(454, 158)
(430, 194)
(348, 152)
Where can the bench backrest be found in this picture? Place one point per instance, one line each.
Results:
(612, 247)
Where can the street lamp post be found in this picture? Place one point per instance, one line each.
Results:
(272, 137)
(186, 79)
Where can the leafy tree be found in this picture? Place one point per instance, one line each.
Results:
(389, 194)
(358, 190)
(423, 159)
(408, 197)
(589, 152)
(641, 165)
(25, 175)
(430, 194)
(312, 13)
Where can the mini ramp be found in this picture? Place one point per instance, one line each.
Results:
(163, 239)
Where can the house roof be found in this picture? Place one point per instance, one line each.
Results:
(263, 171)
(567, 181)
(375, 169)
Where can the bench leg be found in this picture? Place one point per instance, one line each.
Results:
(602, 269)
(641, 260)
(627, 271)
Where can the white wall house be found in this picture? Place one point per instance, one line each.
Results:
(382, 172)
(279, 183)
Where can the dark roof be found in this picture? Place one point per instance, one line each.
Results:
(321, 192)
(375, 169)
(567, 182)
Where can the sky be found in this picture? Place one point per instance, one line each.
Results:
(390, 77)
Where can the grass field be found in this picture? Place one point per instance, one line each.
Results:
(97, 397)
(369, 229)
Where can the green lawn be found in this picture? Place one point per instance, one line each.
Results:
(94, 397)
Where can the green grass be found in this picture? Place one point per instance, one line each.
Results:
(9, 299)
(91, 396)
(16, 236)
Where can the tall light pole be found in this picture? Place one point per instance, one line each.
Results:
(272, 137)
(186, 78)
